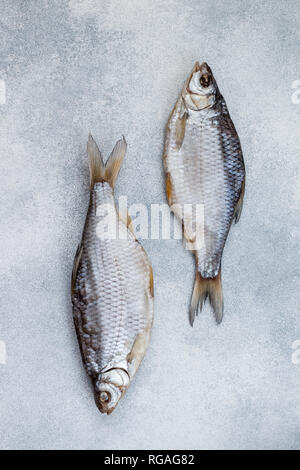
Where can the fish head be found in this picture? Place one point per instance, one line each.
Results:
(109, 389)
(200, 89)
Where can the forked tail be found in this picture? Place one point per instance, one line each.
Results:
(207, 288)
(99, 171)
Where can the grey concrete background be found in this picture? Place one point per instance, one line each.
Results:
(116, 67)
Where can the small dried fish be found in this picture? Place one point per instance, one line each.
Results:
(204, 168)
(112, 287)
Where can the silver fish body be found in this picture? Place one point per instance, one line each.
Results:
(112, 289)
(205, 170)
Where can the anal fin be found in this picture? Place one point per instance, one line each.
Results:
(76, 266)
(239, 206)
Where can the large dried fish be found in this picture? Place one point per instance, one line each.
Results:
(204, 169)
(112, 287)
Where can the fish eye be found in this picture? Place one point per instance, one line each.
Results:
(104, 397)
(205, 80)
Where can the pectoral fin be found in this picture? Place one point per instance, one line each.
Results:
(180, 129)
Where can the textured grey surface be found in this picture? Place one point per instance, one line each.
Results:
(116, 67)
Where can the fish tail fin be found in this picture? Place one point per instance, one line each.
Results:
(239, 206)
(115, 161)
(96, 165)
(207, 288)
(99, 171)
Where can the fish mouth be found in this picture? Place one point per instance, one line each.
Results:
(201, 67)
(109, 389)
